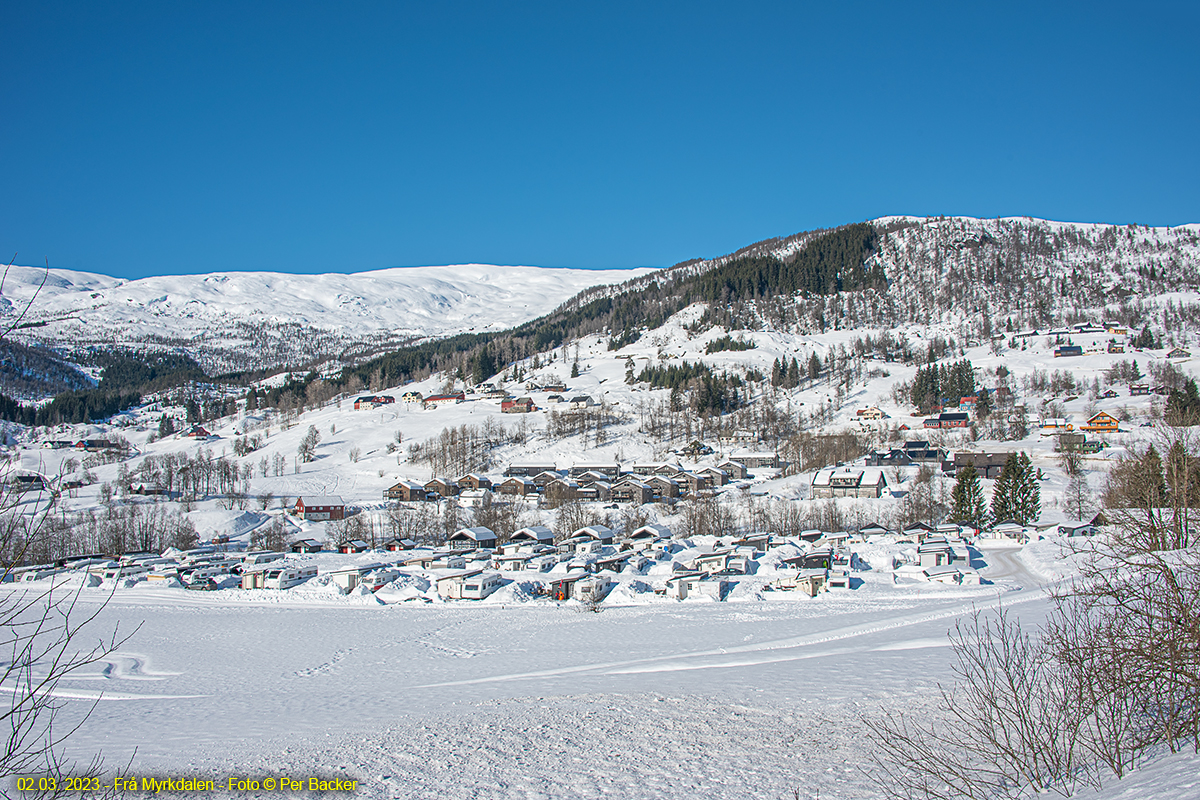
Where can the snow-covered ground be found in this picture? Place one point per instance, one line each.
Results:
(680, 699)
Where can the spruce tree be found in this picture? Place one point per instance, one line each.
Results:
(967, 498)
(1003, 493)
(793, 374)
(814, 367)
(1027, 495)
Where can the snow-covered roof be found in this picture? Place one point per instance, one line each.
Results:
(320, 500)
(479, 534)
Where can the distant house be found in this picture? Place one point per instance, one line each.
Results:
(1116, 347)
(609, 470)
(919, 452)
(580, 402)
(516, 487)
(1056, 425)
(987, 464)
(535, 534)
(353, 546)
(28, 483)
(474, 480)
(632, 490)
(1179, 352)
(872, 412)
(412, 397)
(716, 477)
(554, 399)
(197, 432)
(663, 486)
(956, 419)
(754, 459)
(843, 482)
(318, 509)
(396, 545)
(888, 458)
(1100, 423)
(442, 487)
(525, 470)
(1068, 350)
(370, 401)
(598, 533)
(307, 546)
(1136, 389)
(471, 539)
(522, 405)
(693, 482)
(734, 469)
(543, 479)
(647, 535)
(562, 489)
(407, 491)
(438, 400)
(872, 529)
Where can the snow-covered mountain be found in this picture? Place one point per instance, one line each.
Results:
(240, 320)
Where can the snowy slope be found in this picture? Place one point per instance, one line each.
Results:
(231, 320)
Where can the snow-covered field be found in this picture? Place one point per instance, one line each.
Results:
(691, 699)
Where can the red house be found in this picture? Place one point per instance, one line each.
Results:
(318, 509)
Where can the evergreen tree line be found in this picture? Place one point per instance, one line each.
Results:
(1016, 495)
(831, 262)
(727, 342)
(787, 375)
(948, 382)
(125, 379)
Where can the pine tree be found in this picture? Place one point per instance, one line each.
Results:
(967, 498)
(983, 403)
(777, 373)
(575, 369)
(1003, 493)
(793, 374)
(814, 367)
(1027, 495)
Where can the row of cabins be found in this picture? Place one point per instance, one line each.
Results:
(604, 482)
(520, 405)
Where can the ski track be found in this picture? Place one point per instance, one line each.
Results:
(680, 662)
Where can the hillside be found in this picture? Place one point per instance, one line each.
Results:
(969, 278)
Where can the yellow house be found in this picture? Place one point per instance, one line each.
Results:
(1100, 423)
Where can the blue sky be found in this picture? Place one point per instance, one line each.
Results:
(154, 138)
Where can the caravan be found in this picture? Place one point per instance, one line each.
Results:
(478, 587)
(287, 577)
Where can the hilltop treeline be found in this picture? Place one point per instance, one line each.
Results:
(829, 263)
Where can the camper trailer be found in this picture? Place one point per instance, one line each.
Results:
(478, 587)
(287, 577)
(254, 558)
